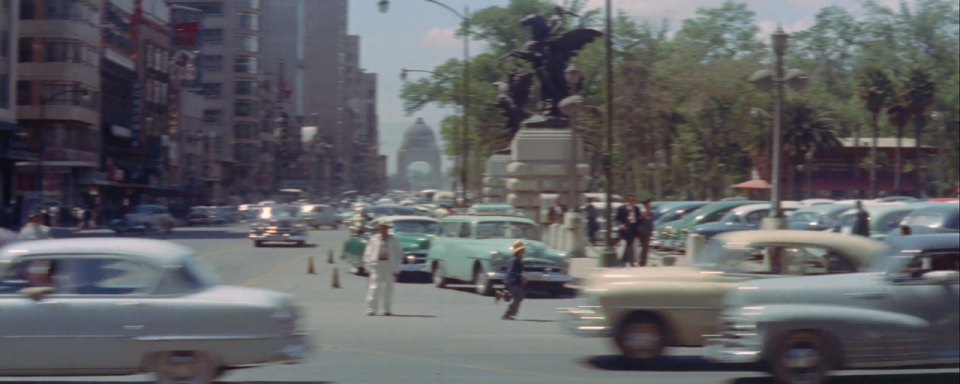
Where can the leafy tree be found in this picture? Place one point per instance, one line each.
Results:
(875, 89)
(806, 131)
(918, 96)
(899, 116)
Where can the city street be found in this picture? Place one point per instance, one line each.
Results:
(435, 336)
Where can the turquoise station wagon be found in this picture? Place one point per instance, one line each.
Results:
(476, 249)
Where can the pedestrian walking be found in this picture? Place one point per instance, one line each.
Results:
(382, 258)
(628, 219)
(34, 229)
(861, 223)
(645, 231)
(555, 216)
(593, 223)
(515, 280)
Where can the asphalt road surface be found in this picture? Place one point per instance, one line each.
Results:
(436, 335)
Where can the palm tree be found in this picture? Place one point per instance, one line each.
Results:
(807, 131)
(875, 88)
(899, 116)
(918, 97)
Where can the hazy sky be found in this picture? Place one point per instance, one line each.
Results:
(416, 34)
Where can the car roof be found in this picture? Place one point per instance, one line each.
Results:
(848, 244)
(155, 251)
(826, 208)
(876, 210)
(926, 241)
(476, 218)
(405, 217)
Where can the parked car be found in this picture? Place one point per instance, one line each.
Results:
(414, 234)
(143, 219)
(743, 218)
(476, 249)
(817, 218)
(676, 238)
(199, 216)
(884, 217)
(674, 210)
(492, 209)
(932, 218)
(663, 226)
(126, 306)
(903, 312)
(320, 215)
(279, 223)
(645, 310)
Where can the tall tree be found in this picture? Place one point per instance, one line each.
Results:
(806, 132)
(875, 88)
(918, 96)
(899, 116)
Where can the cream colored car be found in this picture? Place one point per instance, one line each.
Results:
(645, 310)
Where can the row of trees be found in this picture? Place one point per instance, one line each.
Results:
(682, 103)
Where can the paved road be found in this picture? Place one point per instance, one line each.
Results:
(436, 336)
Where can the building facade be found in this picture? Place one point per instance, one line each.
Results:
(57, 97)
(9, 155)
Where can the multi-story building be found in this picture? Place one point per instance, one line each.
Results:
(151, 34)
(283, 39)
(57, 97)
(361, 121)
(9, 154)
(230, 68)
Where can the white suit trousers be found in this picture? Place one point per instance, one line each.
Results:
(381, 283)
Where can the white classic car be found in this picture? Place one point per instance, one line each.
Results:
(142, 305)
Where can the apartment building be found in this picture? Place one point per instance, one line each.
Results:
(57, 97)
(9, 154)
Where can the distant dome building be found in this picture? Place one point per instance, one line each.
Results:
(419, 145)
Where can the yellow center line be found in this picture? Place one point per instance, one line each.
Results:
(461, 365)
(261, 277)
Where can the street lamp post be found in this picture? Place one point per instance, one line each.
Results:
(85, 95)
(941, 149)
(384, 5)
(609, 256)
(764, 80)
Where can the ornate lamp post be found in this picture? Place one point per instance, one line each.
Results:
(609, 256)
(85, 96)
(384, 6)
(765, 80)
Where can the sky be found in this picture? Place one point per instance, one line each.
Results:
(416, 34)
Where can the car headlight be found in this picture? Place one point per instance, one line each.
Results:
(496, 256)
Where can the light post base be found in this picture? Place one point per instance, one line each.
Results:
(773, 223)
(608, 258)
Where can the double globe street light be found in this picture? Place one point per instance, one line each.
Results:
(384, 6)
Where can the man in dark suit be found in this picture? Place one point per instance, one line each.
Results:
(628, 219)
(646, 231)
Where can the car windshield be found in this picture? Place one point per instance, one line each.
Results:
(507, 229)
(280, 212)
(418, 227)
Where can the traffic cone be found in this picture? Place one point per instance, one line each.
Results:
(310, 268)
(329, 256)
(336, 278)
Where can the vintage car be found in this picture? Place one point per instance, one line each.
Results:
(818, 217)
(932, 218)
(743, 218)
(143, 219)
(279, 223)
(884, 217)
(673, 235)
(647, 309)
(111, 306)
(414, 233)
(476, 249)
(497, 209)
(319, 215)
(903, 311)
(199, 215)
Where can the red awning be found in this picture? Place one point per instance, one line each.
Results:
(758, 184)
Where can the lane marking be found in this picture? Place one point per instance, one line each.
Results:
(462, 365)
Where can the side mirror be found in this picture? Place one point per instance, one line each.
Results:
(37, 293)
(942, 277)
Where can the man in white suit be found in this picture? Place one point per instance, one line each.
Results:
(382, 258)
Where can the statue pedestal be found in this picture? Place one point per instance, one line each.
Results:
(540, 163)
(495, 178)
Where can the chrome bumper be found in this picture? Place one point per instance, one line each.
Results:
(421, 267)
(731, 351)
(295, 348)
(534, 277)
(585, 321)
(278, 237)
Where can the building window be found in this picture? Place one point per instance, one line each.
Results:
(25, 50)
(63, 10)
(210, 9)
(249, 21)
(4, 91)
(24, 92)
(212, 115)
(211, 36)
(212, 63)
(248, 43)
(245, 131)
(245, 87)
(59, 51)
(4, 43)
(66, 93)
(244, 108)
(212, 89)
(27, 9)
(245, 64)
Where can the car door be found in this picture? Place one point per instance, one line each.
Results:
(442, 248)
(464, 250)
(104, 307)
(34, 334)
(936, 303)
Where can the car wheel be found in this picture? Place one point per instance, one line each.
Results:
(438, 280)
(557, 290)
(257, 243)
(482, 284)
(361, 271)
(802, 358)
(640, 337)
(301, 243)
(184, 367)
